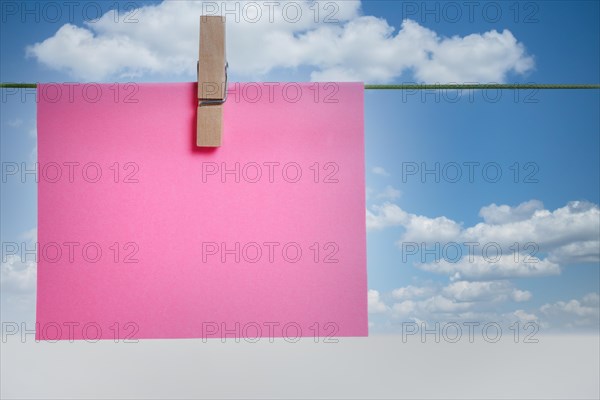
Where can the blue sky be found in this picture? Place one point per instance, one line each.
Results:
(554, 135)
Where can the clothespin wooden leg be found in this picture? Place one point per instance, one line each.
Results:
(212, 81)
(209, 125)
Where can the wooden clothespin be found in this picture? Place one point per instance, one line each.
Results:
(212, 81)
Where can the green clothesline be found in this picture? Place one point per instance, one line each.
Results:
(416, 86)
(483, 86)
(18, 85)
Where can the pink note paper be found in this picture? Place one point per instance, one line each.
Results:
(144, 235)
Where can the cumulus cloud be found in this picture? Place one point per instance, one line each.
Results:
(417, 227)
(443, 304)
(356, 47)
(405, 308)
(574, 313)
(544, 239)
(18, 282)
(520, 295)
(376, 305)
(480, 282)
(576, 252)
(30, 235)
(386, 215)
(411, 292)
(485, 291)
(380, 171)
(480, 267)
(572, 224)
(389, 193)
(457, 300)
(17, 275)
(498, 215)
(424, 229)
(483, 302)
(524, 316)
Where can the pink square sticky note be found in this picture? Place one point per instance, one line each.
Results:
(144, 235)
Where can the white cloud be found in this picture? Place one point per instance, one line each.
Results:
(380, 171)
(33, 154)
(570, 234)
(440, 309)
(17, 276)
(418, 228)
(15, 123)
(577, 252)
(482, 302)
(520, 295)
(442, 304)
(479, 281)
(385, 215)
(424, 229)
(498, 215)
(574, 314)
(404, 308)
(376, 306)
(524, 316)
(18, 283)
(389, 193)
(30, 235)
(411, 292)
(592, 299)
(576, 222)
(479, 267)
(459, 59)
(485, 291)
(358, 48)
(574, 307)
(456, 301)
